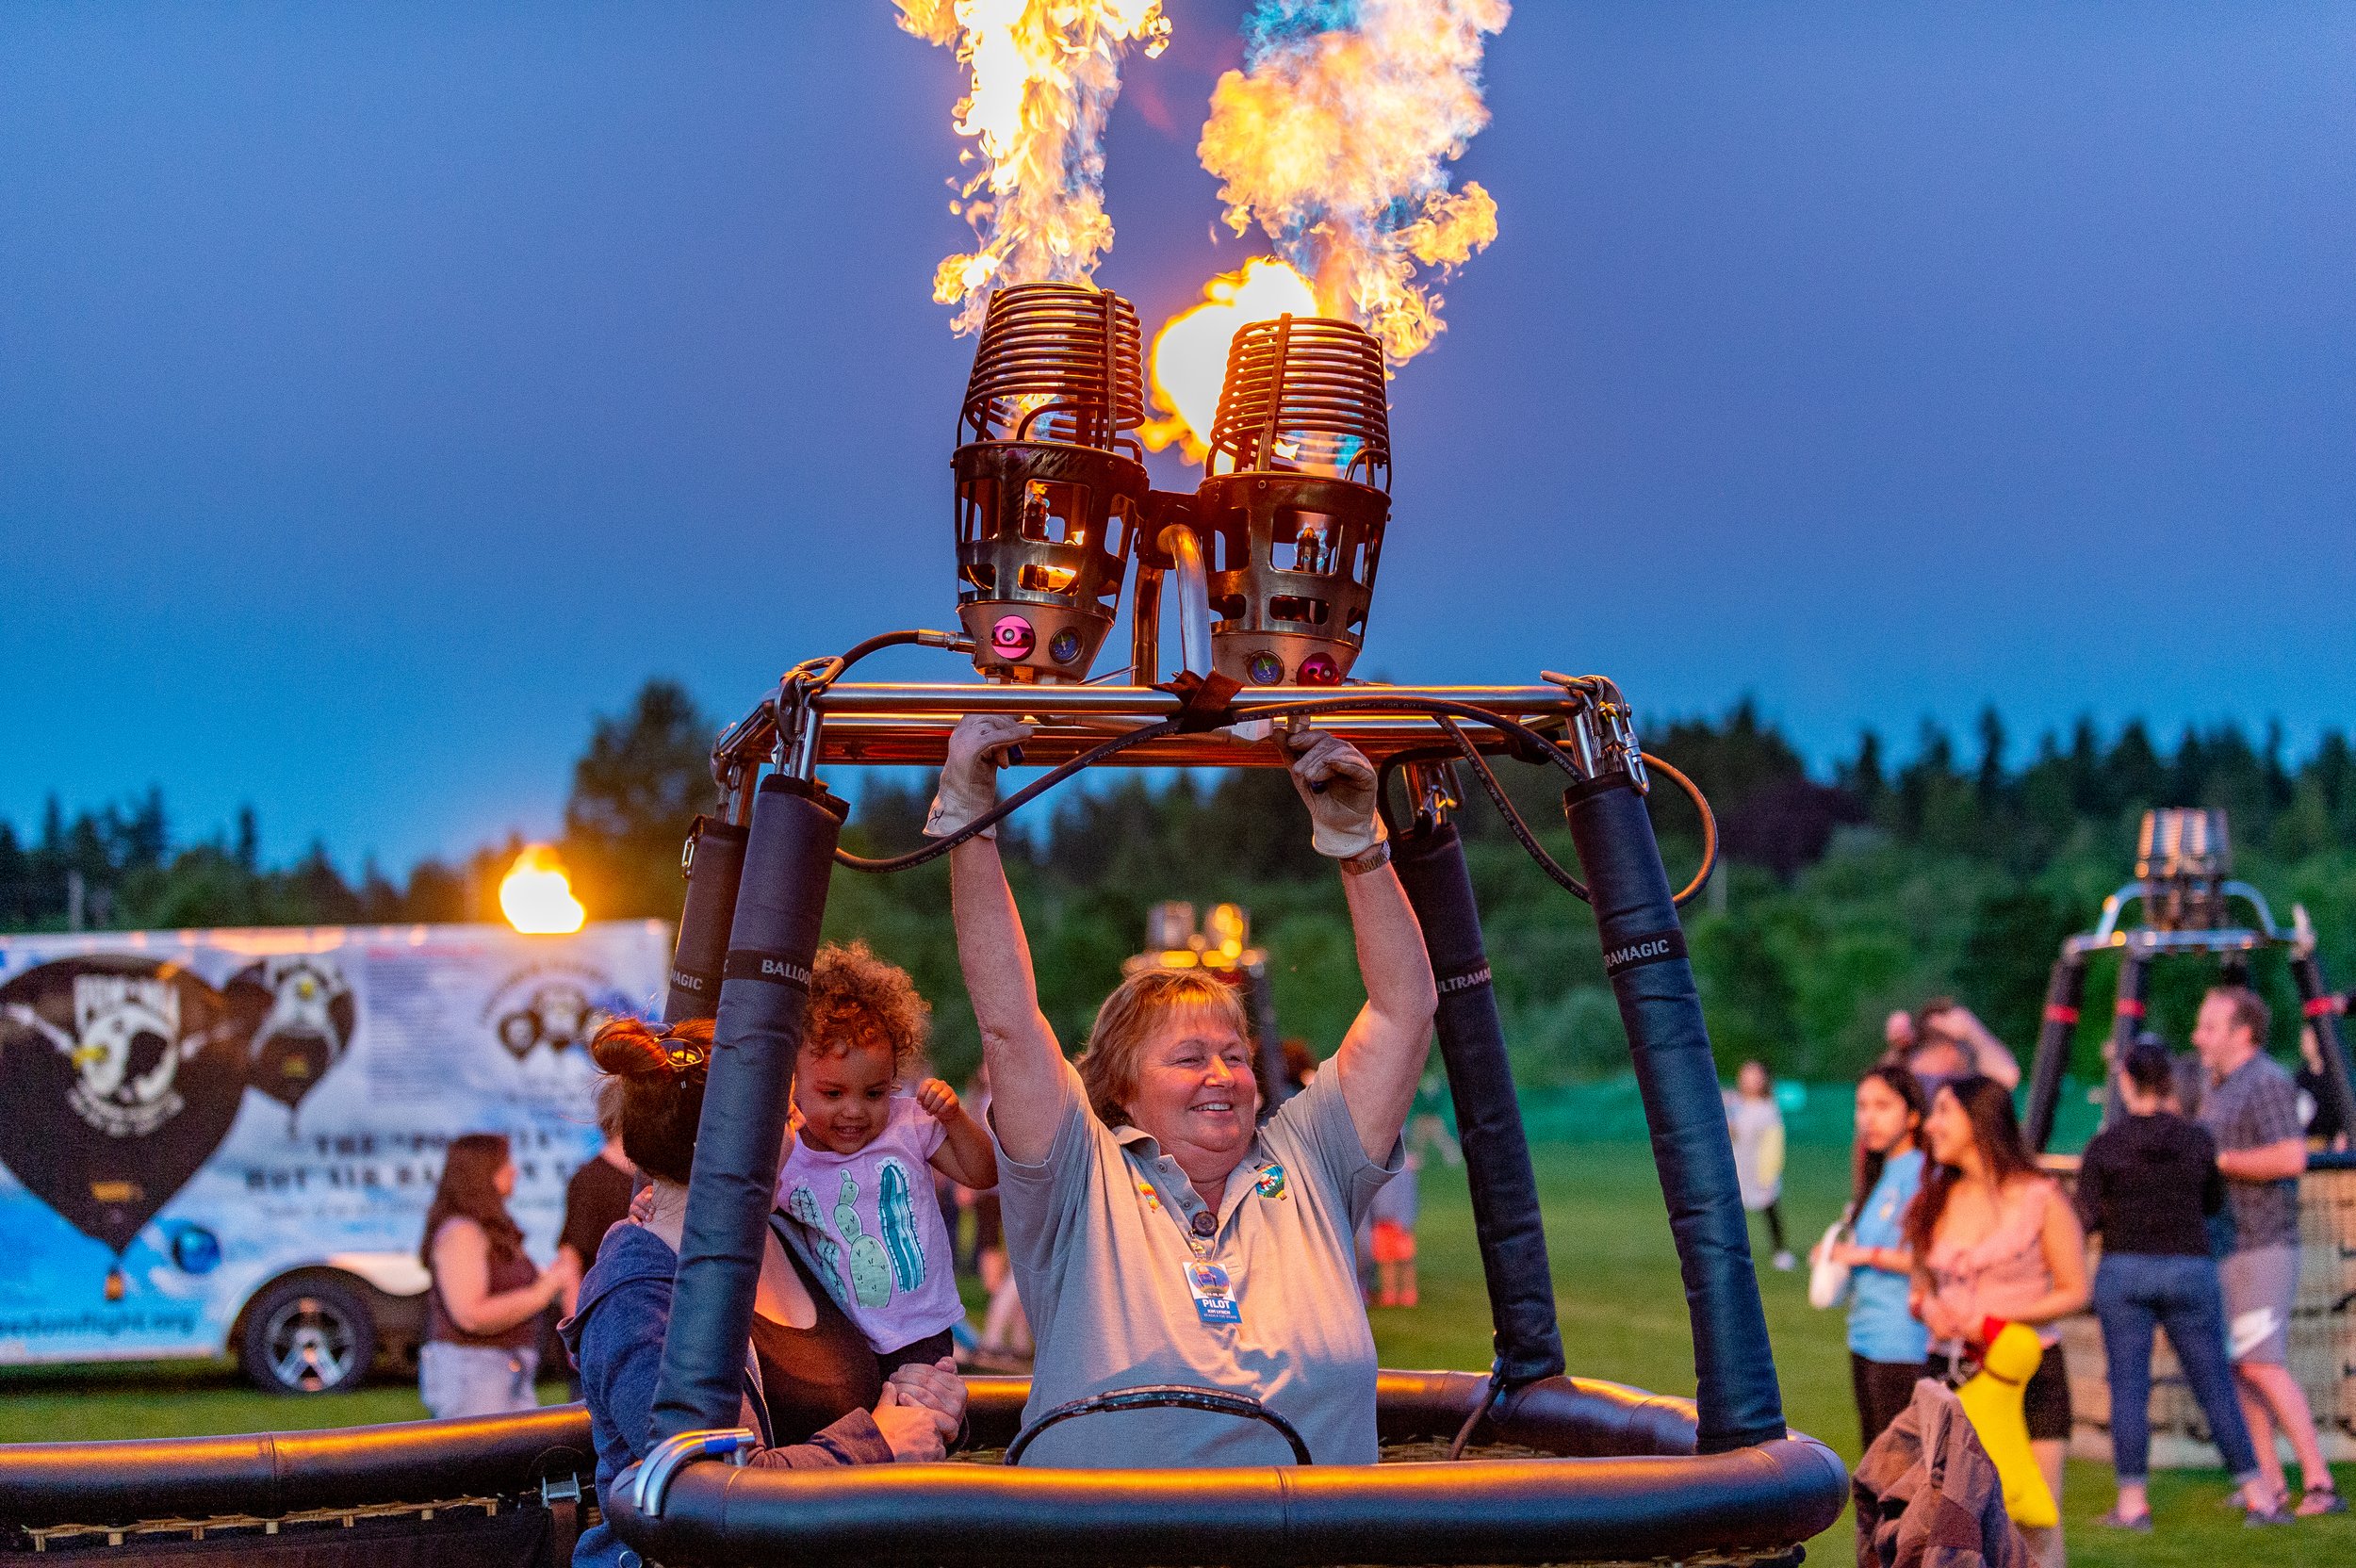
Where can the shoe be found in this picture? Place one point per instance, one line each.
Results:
(2320, 1500)
(2141, 1523)
(2257, 1518)
(1786, 1262)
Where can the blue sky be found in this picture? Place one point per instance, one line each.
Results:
(387, 390)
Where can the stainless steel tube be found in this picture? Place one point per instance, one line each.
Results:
(1194, 598)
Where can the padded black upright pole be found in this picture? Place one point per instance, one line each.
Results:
(715, 867)
(1736, 1398)
(1506, 1219)
(2315, 1004)
(2065, 993)
(763, 995)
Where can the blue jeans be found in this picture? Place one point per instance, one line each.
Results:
(2134, 1291)
(476, 1380)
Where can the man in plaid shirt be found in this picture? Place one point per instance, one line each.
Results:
(2251, 1106)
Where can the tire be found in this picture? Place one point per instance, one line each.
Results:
(307, 1335)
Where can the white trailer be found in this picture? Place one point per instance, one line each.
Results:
(225, 1141)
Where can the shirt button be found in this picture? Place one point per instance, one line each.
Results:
(1204, 1222)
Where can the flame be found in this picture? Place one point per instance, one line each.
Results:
(537, 897)
(1336, 137)
(1044, 75)
(1189, 357)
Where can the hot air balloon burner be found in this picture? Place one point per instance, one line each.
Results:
(1047, 478)
(1295, 500)
(2184, 858)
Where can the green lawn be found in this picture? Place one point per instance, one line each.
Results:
(1623, 1318)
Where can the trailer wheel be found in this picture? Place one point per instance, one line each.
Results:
(307, 1336)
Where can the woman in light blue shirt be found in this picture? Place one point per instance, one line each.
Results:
(1887, 1344)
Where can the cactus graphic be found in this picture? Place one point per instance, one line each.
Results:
(870, 1271)
(896, 1216)
(804, 1207)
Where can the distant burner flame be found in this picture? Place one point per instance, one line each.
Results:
(1335, 139)
(1044, 75)
(1189, 355)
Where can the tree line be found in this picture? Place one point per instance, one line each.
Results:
(1957, 870)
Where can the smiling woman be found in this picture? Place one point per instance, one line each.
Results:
(1160, 1233)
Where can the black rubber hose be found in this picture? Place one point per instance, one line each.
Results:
(763, 995)
(2064, 992)
(1736, 1395)
(1506, 1217)
(714, 869)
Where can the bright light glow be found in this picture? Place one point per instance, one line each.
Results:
(537, 897)
(1190, 353)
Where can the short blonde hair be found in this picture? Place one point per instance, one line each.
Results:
(1108, 1070)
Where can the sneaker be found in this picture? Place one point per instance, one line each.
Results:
(1786, 1262)
(2256, 1518)
(2114, 1520)
(2320, 1500)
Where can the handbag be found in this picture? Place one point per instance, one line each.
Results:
(1828, 1280)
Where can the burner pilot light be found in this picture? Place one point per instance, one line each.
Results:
(1047, 478)
(1296, 494)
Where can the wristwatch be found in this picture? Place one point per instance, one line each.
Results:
(1373, 859)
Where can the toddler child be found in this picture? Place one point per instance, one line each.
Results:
(1755, 1122)
(854, 1184)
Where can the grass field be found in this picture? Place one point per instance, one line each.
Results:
(1623, 1318)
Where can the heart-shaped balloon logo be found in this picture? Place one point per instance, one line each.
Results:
(123, 1076)
(297, 1014)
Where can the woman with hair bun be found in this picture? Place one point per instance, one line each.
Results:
(813, 1388)
(482, 1312)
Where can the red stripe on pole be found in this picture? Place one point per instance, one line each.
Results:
(2316, 1006)
(2130, 1007)
(2054, 1013)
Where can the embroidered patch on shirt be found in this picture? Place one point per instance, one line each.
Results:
(1272, 1182)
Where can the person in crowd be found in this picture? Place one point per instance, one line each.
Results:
(857, 1150)
(2146, 1184)
(1754, 1122)
(2319, 1111)
(1887, 1344)
(1995, 1242)
(813, 1388)
(1946, 1041)
(483, 1308)
(595, 1200)
(2251, 1107)
(1006, 1337)
(1391, 1234)
(1159, 1234)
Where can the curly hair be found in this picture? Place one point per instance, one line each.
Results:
(857, 998)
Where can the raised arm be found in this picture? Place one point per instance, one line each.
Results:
(1381, 1057)
(1026, 1065)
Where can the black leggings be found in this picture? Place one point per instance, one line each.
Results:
(1773, 1212)
(1883, 1390)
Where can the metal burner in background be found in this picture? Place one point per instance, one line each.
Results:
(1047, 478)
(1296, 493)
(2184, 856)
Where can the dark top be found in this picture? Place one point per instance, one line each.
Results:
(509, 1270)
(813, 1377)
(617, 1340)
(2147, 1182)
(595, 1200)
(2325, 1123)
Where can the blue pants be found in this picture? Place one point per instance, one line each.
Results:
(2134, 1291)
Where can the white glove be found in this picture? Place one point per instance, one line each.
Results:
(969, 779)
(1337, 782)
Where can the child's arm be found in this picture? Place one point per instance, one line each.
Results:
(965, 1155)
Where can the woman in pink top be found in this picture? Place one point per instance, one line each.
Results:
(1995, 1242)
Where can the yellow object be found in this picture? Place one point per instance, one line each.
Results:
(1771, 1155)
(1991, 1399)
(537, 897)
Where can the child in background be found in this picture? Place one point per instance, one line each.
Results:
(853, 1178)
(1755, 1122)
(1393, 1214)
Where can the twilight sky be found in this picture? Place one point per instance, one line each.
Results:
(387, 388)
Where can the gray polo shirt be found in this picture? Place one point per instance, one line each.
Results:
(2251, 1106)
(1100, 1237)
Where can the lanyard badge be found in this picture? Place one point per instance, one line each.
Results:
(1214, 1294)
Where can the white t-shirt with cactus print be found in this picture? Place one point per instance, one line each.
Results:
(870, 1230)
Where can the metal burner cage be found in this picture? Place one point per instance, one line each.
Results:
(1047, 478)
(1295, 496)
